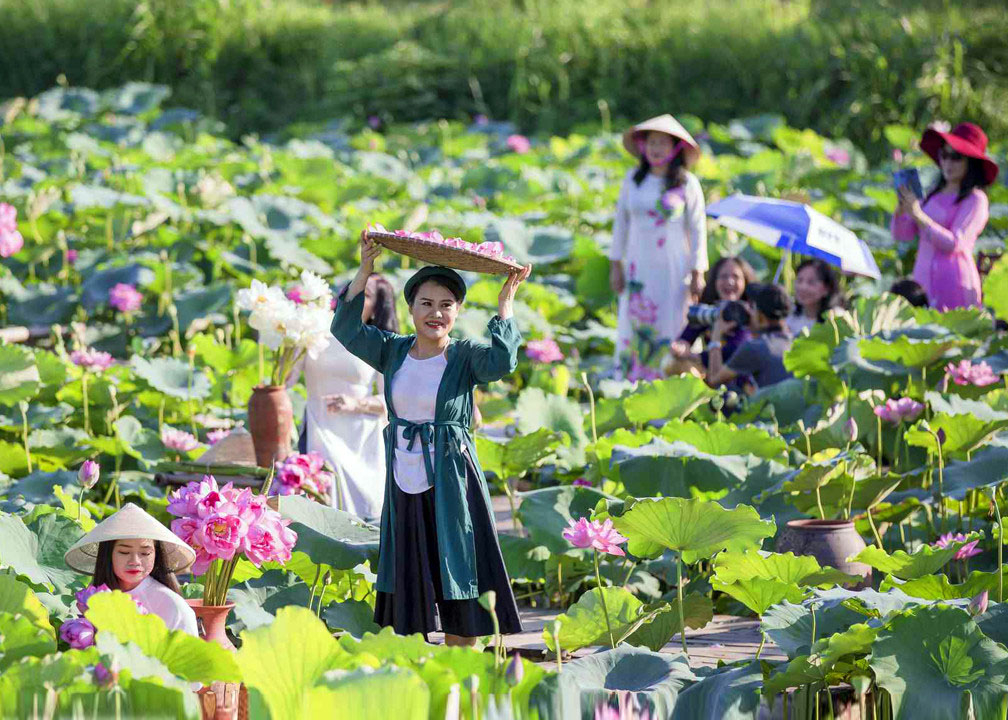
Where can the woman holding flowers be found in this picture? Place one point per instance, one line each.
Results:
(659, 244)
(132, 552)
(439, 549)
(947, 223)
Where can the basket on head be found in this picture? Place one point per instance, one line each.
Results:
(433, 252)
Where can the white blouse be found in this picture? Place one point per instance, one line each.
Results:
(166, 604)
(414, 396)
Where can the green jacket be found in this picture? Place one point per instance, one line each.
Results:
(468, 364)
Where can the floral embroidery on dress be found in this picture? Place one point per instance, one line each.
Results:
(643, 309)
(671, 205)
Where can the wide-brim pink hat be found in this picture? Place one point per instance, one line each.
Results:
(966, 139)
(129, 523)
(664, 124)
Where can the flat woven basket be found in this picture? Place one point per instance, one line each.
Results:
(435, 253)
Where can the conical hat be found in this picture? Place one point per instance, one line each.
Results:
(668, 125)
(130, 522)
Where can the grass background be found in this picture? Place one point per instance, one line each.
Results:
(844, 68)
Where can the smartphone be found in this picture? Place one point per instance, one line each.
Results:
(910, 178)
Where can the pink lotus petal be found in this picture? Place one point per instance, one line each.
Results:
(544, 351)
(125, 298)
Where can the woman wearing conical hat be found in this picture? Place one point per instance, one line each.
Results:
(659, 244)
(132, 552)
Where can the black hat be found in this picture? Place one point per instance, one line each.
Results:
(451, 279)
(771, 300)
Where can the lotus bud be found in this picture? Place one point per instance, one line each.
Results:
(515, 672)
(941, 436)
(851, 429)
(88, 474)
(978, 605)
(731, 400)
(488, 601)
(716, 403)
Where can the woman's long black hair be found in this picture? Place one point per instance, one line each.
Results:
(974, 178)
(828, 277)
(105, 574)
(384, 316)
(709, 296)
(675, 174)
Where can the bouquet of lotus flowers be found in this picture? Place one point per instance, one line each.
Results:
(224, 524)
(289, 327)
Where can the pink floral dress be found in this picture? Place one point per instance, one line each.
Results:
(660, 237)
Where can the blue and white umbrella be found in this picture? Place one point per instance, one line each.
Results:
(796, 227)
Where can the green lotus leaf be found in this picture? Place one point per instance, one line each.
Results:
(926, 658)
(284, 661)
(760, 594)
(535, 410)
(353, 616)
(385, 692)
(655, 680)
(971, 322)
(730, 567)
(539, 245)
(785, 400)
(656, 634)
(693, 528)
(182, 654)
(925, 560)
(330, 536)
(963, 434)
(400, 649)
(36, 552)
(993, 407)
(135, 98)
(731, 692)
(172, 377)
(41, 304)
(995, 288)
(19, 377)
(162, 691)
(545, 513)
(721, 438)
(938, 587)
(584, 625)
(21, 637)
(790, 625)
(621, 437)
(673, 398)
(855, 640)
(524, 558)
(911, 348)
(16, 597)
(800, 671)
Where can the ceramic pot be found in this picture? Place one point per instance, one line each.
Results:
(220, 700)
(270, 420)
(830, 542)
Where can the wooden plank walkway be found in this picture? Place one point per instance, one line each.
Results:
(726, 638)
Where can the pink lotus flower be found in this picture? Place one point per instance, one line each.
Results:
(600, 536)
(84, 595)
(966, 551)
(185, 527)
(967, 373)
(215, 436)
(71, 256)
(88, 474)
(178, 440)
(978, 604)
(543, 351)
(269, 541)
(11, 240)
(897, 156)
(197, 499)
(302, 472)
(518, 144)
(105, 676)
(125, 298)
(91, 359)
(78, 633)
(897, 411)
(838, 156)
(221, 534)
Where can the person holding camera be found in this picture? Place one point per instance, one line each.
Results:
(761, 356)
(727, 282)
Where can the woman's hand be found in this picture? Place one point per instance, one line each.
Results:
(340, 404)
(617, 282)
(908, 203)
(369, 252)
(696, 285)
(505, 301)
(679, 348)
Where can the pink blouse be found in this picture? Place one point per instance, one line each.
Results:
(945, 267)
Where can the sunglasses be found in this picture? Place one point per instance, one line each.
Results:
(949, 154)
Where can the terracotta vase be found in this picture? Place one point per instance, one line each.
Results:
(220, 700)
(830, 542)
(270, 420)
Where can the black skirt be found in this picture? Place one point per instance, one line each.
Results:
(411, 608)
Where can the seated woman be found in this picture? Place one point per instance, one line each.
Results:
(131, 551)
(762, 356)
(728, 280)
(817, 289)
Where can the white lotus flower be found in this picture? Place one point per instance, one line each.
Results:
(273, 320)
(309, 329)
(258, 296)
(314, 288)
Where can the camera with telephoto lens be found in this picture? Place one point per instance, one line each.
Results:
(704, 315)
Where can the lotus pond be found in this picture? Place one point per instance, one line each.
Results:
(141, 224)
